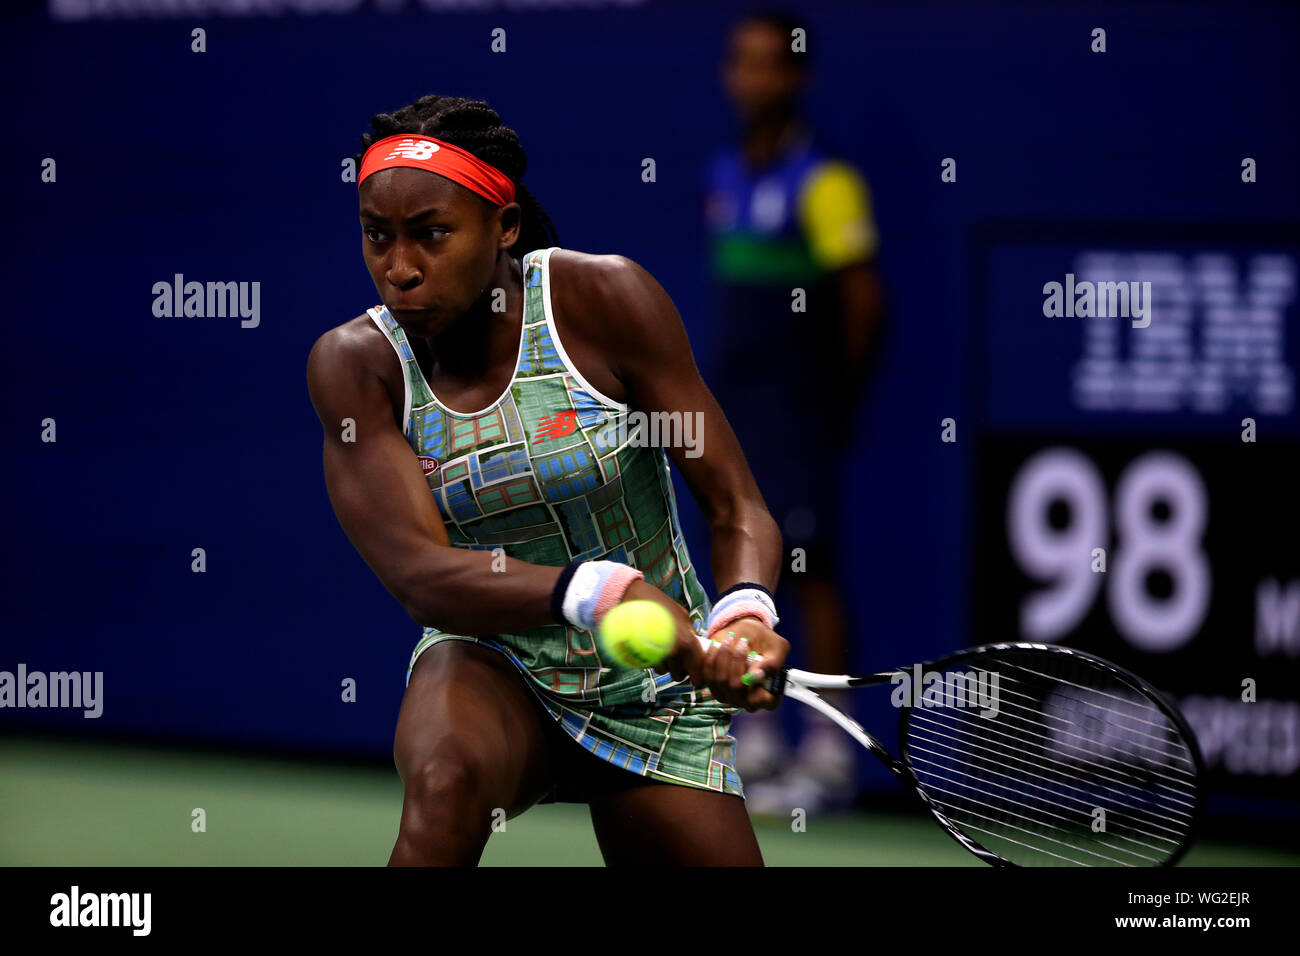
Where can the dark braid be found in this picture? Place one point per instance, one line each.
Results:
(476, 128)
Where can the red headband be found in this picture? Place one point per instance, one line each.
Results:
(437, 156)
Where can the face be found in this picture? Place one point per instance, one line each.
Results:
(757, 73)
(431, 245)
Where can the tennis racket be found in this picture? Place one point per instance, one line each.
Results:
(1034, 754)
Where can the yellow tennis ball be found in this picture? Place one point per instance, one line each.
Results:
(637, 633)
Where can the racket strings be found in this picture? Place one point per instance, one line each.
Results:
(1071, 845)
(1169, 841)
(1116, 714)
(1141, 831)
(1115, 772)
(1073, 765)
(1061, 778)
(1175, 776)
(1177, 761)
(1161, 726)
(1037, 850)
(970, 800)
(1051, 778)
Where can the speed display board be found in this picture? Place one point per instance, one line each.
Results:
(1137, 476)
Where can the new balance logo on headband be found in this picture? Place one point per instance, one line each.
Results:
(438, 156)
(413, 149)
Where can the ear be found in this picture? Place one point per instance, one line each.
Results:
(510, 218)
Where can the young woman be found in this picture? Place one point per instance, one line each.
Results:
(474, 457)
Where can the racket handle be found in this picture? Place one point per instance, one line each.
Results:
(773, 683)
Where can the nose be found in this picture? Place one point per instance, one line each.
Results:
(402, 272)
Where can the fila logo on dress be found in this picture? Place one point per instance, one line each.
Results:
(428, 465)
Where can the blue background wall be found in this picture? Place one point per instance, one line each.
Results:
(225, 166)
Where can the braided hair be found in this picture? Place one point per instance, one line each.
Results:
(476, 128)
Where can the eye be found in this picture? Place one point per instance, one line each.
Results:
(436, 229)
(367, 230)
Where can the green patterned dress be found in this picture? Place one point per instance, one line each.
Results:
(546, 474)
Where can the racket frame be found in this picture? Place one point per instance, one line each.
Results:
(803, 685)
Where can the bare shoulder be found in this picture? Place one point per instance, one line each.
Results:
(350, 351)
(609, 302)
(587, 282)
(584, 305)
(357, 343)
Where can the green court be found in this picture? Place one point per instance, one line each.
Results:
(77, 804)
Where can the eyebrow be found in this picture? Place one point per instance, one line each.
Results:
(423, 214)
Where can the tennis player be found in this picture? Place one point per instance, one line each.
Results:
(478, 454)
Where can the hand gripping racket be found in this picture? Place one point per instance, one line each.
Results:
(1034, 754)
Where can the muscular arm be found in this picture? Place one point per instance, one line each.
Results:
(383, 503)
(651, 355)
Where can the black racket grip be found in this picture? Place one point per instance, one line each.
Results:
(775, 683)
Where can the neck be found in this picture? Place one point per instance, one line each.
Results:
(466, 348)
(765, 136)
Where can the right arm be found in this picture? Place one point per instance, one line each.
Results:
(383, 502)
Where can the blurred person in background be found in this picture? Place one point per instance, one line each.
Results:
(786, 213)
